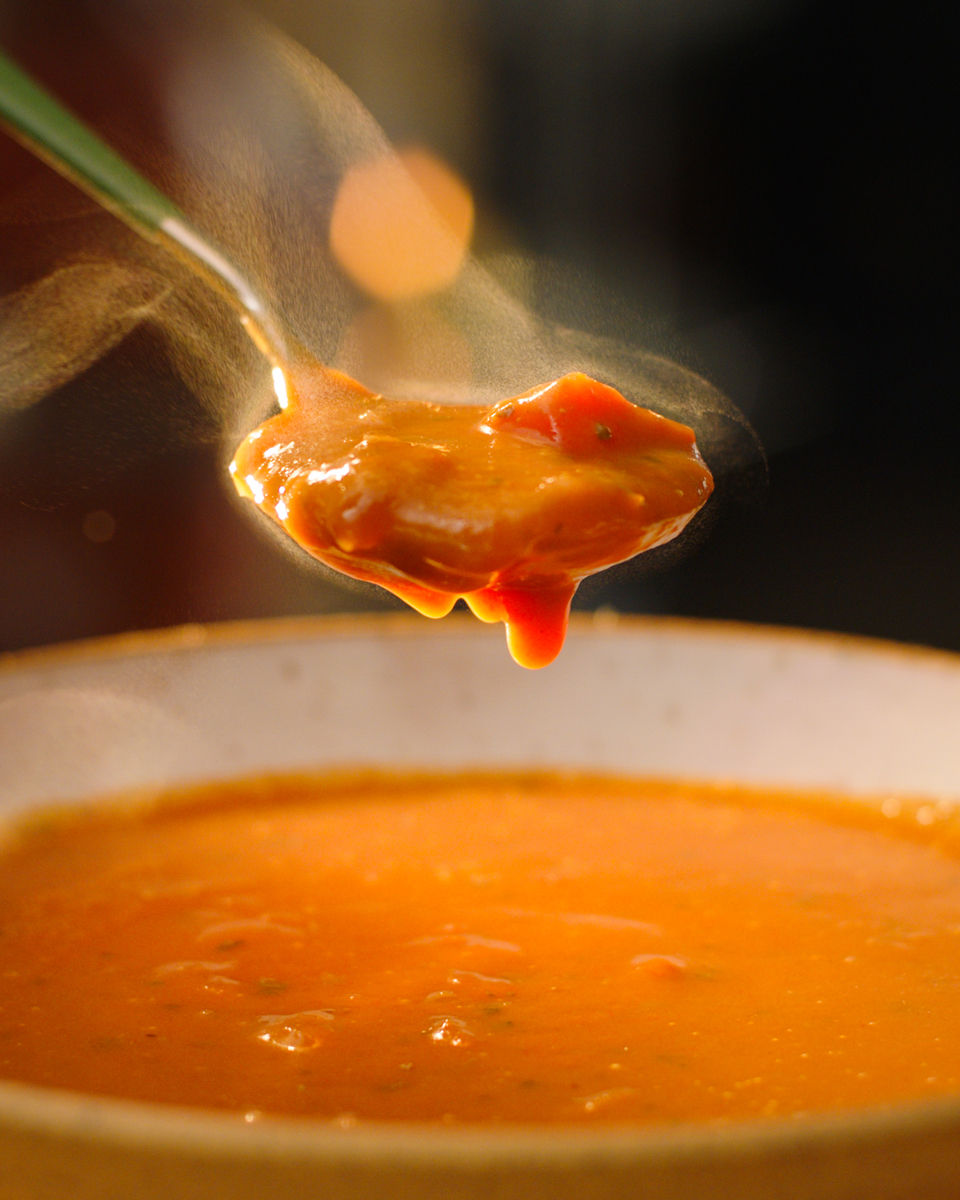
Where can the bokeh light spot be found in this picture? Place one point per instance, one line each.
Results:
(99, 526)
(401, 225)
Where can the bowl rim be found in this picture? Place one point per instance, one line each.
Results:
(193, 636)
(130, 1124)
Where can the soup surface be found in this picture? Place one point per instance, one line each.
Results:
(531, 949)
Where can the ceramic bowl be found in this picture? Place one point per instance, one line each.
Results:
(662, 697)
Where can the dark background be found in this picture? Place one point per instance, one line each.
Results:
(759, 186)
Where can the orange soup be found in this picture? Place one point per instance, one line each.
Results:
(508, 505)
(481, 950)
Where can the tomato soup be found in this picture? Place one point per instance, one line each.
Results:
(476, 950)
(508, 505)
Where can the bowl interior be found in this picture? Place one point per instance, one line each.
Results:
(666, 698)
(654, 697)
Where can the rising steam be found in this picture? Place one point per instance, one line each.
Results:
(262, 145)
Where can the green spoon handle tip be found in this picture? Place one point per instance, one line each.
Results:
(72, 148)
(48, 130)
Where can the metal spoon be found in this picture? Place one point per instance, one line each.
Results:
(41, 124)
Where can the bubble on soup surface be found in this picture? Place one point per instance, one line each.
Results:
(296, 1031)
(450, 1031)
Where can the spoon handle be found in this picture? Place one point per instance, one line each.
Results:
(48, 130)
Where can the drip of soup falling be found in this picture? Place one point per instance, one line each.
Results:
(484, 950)
(508, 506)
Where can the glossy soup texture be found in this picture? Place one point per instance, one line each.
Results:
(508, 505)
(475, 950)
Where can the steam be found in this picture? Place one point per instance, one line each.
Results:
(59, 326)
(262, 136)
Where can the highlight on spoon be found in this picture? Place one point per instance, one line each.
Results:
(280, 386)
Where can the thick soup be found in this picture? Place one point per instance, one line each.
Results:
(508, 506)
(484, 950)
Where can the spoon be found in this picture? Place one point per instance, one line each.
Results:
(41, 124)
(508, 506)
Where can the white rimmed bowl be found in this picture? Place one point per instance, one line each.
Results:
(642, 696)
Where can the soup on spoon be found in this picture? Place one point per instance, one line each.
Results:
(508, 506)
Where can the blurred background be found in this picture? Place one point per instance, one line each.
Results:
(757, 188)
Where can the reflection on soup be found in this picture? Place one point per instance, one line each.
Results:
(511, 949)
